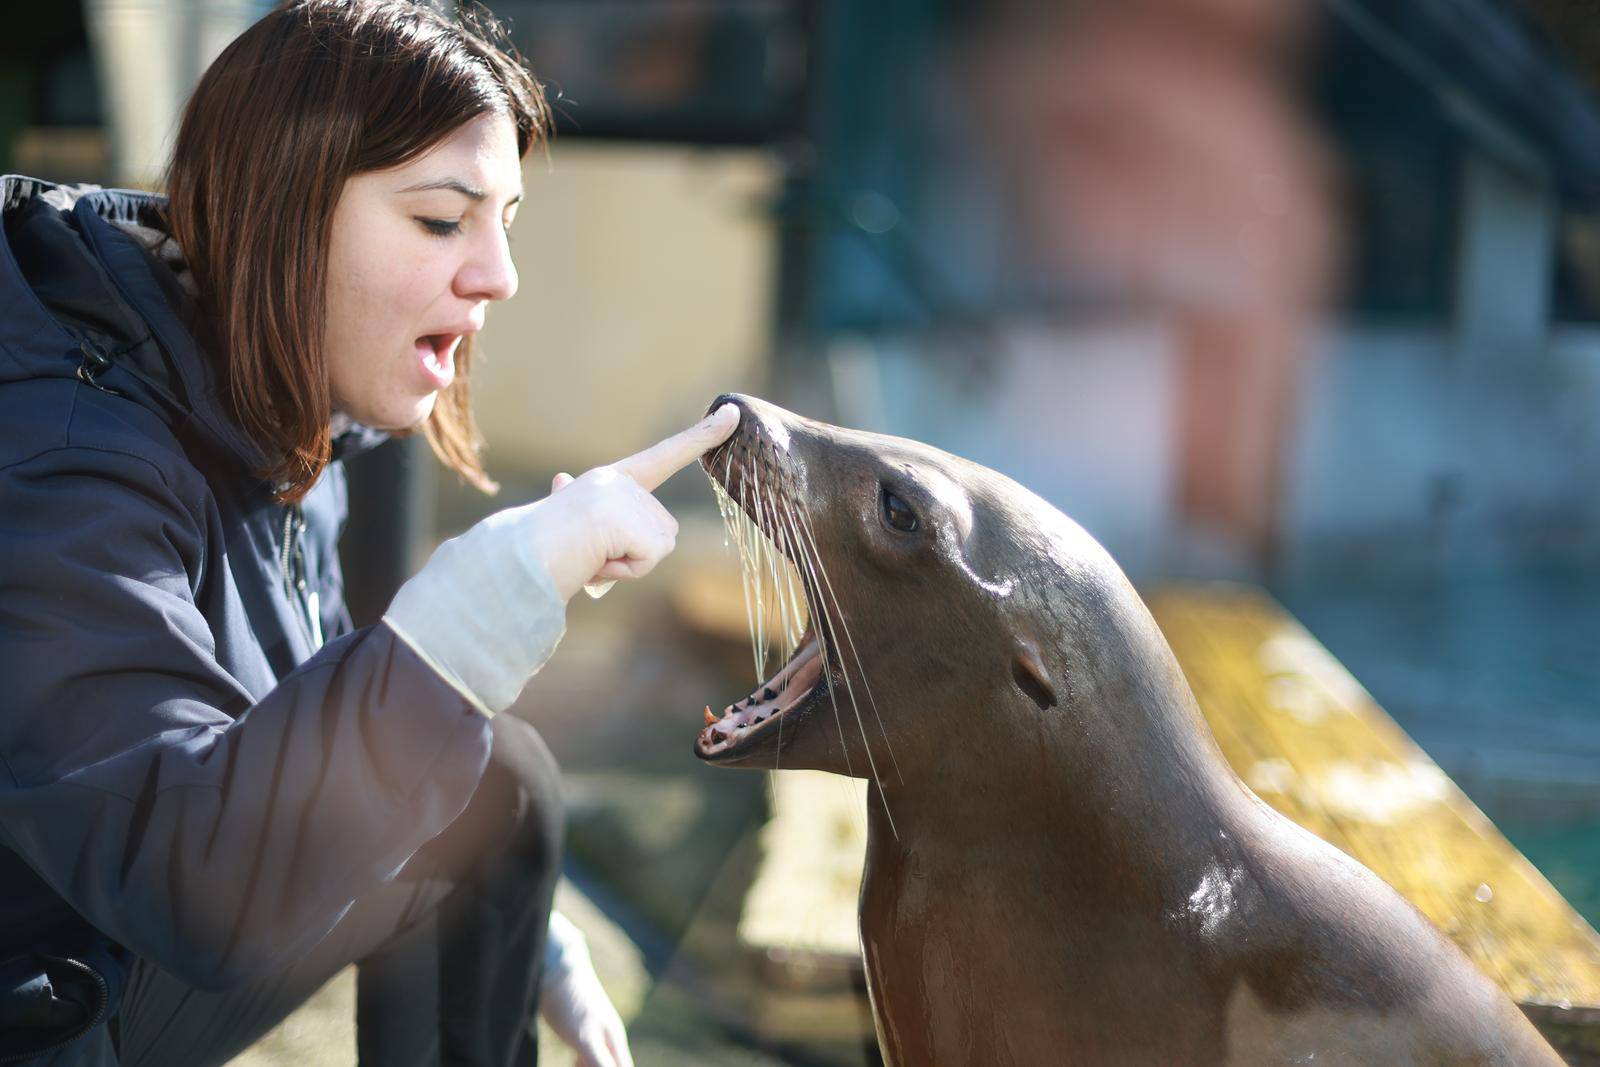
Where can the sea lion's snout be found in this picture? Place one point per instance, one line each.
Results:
(738, 400)
(855, 551)
(755, 472)
(760, 423)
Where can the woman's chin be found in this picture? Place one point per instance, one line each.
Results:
(422, 410)
(396, 416)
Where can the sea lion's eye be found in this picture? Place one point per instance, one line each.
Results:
(898, 514)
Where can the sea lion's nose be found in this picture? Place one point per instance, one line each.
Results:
(754, 414)
(758, 420)
(738, 400)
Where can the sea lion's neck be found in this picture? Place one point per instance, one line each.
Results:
(1124, 827)
(1118, 800)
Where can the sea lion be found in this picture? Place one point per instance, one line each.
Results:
(1061, 868)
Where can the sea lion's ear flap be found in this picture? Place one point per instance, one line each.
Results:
(1028, 671)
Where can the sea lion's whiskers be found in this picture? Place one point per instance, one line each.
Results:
(760, 571)
(824, 627)
(737, 523)
(778, 627)
(790, 600)
(738, 536)
(791, 637)
(762, 578)
(798, 605)
(778, 608)
(804, 524)
(764, 525)
(849, 685)
(845, 626)
(769, 572)
(751, 527)
(778, 571)
(797, 614)
(753, 542)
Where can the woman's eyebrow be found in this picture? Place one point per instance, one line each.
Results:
(456, 185)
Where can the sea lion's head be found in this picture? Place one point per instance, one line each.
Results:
(938, 593)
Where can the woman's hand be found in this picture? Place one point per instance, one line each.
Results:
(606, 524)
(573, 1002)
(577, 1009)
(489, 606)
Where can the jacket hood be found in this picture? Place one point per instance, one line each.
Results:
(85, 268)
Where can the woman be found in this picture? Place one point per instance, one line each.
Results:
(214, 794)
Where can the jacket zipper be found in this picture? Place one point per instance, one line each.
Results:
(291, 560)
(102, 1000)
(95, 362)
(292, 563)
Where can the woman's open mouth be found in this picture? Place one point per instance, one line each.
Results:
(436, 353)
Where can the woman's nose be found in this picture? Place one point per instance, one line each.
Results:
(489, 274)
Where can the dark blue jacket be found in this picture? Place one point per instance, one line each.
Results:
(184, 775)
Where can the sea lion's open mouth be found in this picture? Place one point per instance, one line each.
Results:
(792, 692)
(781, 569)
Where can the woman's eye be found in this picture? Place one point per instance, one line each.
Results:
(898, 514)
(441, 227)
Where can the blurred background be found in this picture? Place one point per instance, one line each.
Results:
(1304, 293)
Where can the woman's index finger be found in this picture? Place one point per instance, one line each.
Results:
(662, 460)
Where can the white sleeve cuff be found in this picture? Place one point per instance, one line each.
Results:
(565, 949)
(483, 612)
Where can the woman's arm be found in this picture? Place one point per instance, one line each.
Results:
(216, 836)
(213, 836)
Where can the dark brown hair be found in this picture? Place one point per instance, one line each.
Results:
(315, 92)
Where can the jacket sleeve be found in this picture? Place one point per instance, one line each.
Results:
(215, 835)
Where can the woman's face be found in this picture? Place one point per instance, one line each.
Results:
(417, 254)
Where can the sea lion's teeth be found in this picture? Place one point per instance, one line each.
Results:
(710, 718)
